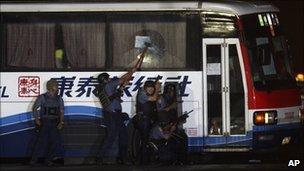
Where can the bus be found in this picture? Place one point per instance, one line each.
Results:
(229, 60)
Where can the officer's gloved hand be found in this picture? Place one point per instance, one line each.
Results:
(37, 122)
(60, 126)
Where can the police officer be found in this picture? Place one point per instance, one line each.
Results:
(167, 112)
(167, 103)
(146, 109)
(48, 111)
(167, 146)
(170, 143)
(109, 92)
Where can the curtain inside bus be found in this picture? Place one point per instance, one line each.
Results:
(31, 45)
(84, 44)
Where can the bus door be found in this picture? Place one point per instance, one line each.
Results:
(224, 94)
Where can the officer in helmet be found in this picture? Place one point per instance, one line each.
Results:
(48, 112)
(109, 92)
(146, 109)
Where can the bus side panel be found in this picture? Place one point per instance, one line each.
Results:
(83, 127)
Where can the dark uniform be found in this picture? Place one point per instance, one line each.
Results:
(146, 110)
(170, 147)
(175, 148)
(49, 136)
(113, 119)
(167, 99)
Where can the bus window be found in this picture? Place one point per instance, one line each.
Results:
(237, 108)
(30, 45)
(214, 86)
(166, 36)
(265, 57)
(54, 41)
(268, 54)
(218, 25)
(84, 44)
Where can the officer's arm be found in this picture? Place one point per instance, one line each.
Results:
(143, 97)
(36, 106)
(153, 98)
(127, 76)
(172, 106)
(61, 115)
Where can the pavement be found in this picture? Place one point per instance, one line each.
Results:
(215, 167)
(217, 162)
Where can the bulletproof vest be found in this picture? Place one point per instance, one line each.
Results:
(53, 110)
(149, 109)
(102, 95)
(172, 113)
(168, 100)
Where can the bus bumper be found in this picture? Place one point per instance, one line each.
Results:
(276, 136)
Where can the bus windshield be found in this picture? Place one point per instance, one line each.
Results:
(268, 52)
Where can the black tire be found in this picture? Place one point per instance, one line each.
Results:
(134, 143)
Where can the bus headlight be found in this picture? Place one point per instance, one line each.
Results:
(265, 117)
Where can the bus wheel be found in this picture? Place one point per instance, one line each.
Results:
(134, 143)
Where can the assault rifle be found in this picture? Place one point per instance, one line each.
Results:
(178, 120)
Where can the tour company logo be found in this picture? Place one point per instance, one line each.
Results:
(28, 86)
(294, 163)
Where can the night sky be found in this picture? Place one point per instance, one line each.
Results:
(292, 21)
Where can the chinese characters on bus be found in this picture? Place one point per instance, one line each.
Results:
(28, 86)
(86, 85)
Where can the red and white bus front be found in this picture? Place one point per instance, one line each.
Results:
(273, 97)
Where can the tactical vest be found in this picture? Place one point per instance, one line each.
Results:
(102, 95)
(149, 108)
(53, 111)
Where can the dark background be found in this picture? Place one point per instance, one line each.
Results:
(292, 16)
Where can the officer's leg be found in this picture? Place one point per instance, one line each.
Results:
(54, 138)
(112, 133)
(40, 144)
(172, 150)
(183, 145)
(163, 152)
(181, 141)
(123, 141)
(145, 134)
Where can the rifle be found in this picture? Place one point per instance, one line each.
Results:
(178, 120)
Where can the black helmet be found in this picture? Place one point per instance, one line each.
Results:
(149, 84)
(102, 77)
